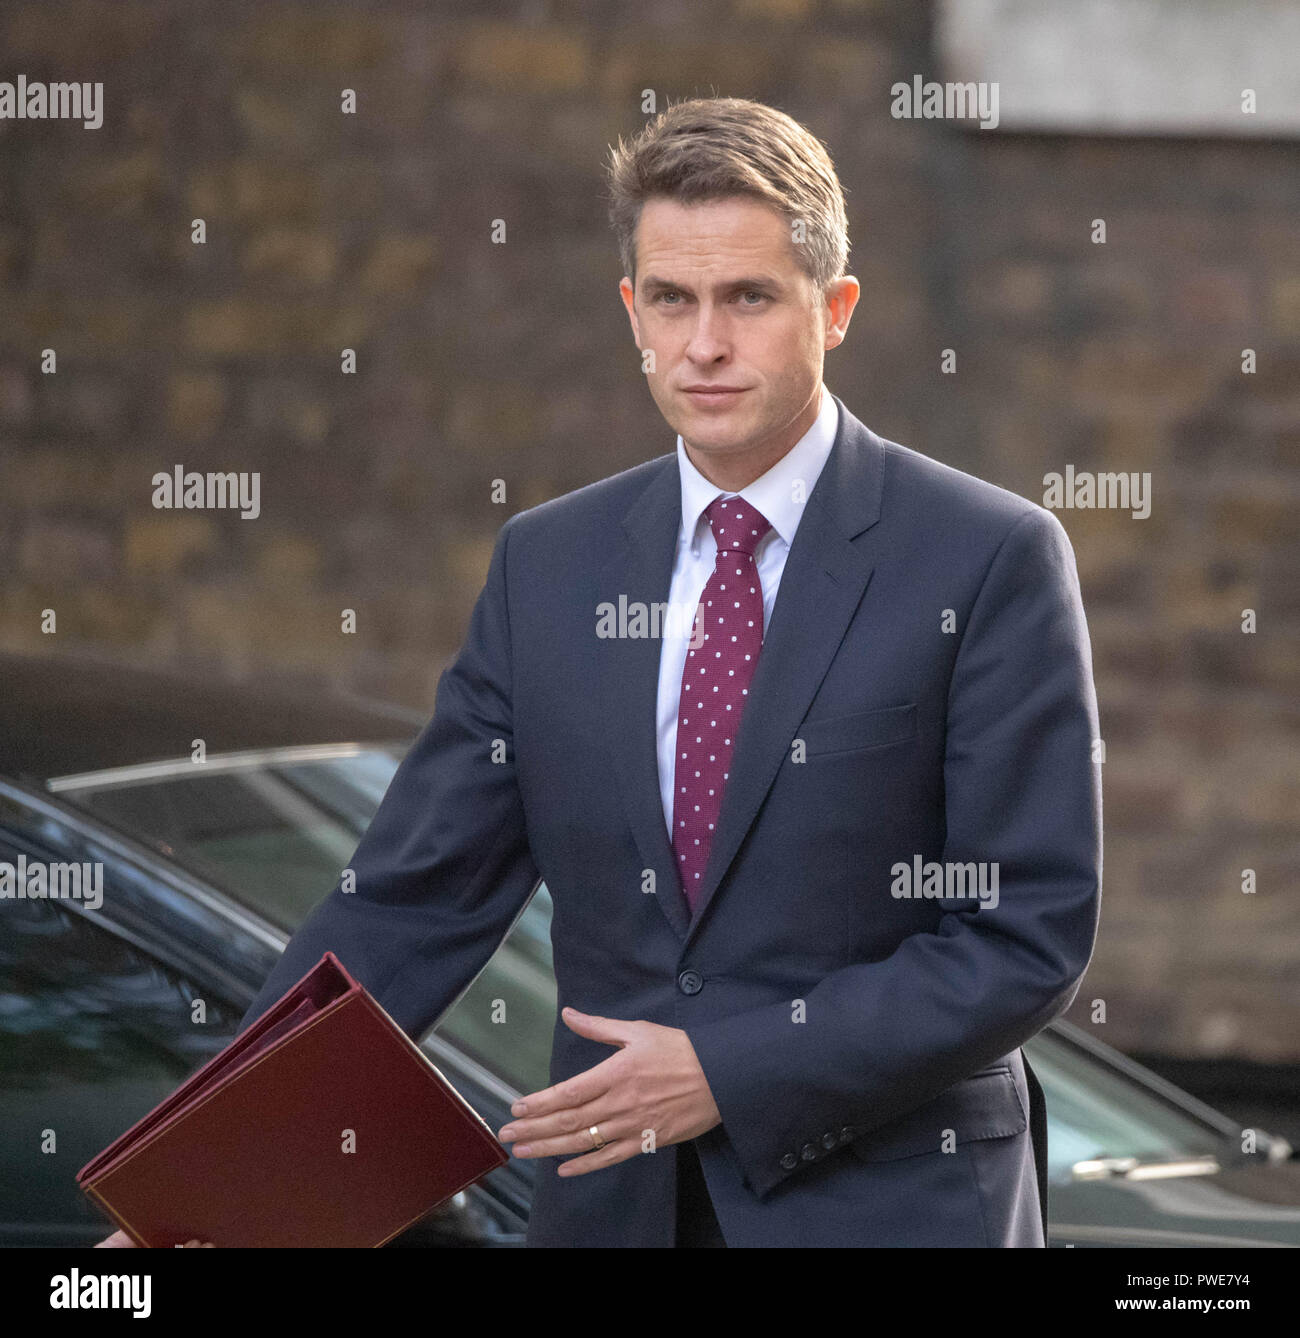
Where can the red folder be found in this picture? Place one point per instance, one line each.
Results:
(255, 1149)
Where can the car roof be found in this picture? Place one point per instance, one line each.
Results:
(76, 713)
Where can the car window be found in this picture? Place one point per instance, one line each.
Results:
(1095, 1111)
(506, 1018)
(93, 1034)
(274, 834)
(273, 831)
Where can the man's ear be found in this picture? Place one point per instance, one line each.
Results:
(841, 297)
(628, 294)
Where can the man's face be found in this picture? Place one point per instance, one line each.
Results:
(737, 328)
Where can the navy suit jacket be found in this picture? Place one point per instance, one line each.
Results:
(923, 696)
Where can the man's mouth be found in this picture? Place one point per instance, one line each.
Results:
(714, 394)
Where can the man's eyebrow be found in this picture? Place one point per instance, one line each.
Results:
(652, 283)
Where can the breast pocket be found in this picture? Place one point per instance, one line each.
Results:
(987, 1105)
(861, 730)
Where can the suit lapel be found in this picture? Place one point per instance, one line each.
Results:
(823, 582)
(641, 569)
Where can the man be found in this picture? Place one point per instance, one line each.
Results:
(823, 855)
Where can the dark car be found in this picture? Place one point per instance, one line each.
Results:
(220, 815)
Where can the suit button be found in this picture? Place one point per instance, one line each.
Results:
(789, 1161)
(690, 982)
(829, 1141)
(808, 1152)
(846, 1133)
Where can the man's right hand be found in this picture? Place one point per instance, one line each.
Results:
(120, 1240)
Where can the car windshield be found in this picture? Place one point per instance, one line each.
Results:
(274, 828)
(1094, 1111)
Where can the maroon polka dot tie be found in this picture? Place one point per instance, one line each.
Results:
(725, 641)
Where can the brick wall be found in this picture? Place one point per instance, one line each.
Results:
(479, 361)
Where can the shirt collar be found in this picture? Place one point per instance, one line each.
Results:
(771, 493)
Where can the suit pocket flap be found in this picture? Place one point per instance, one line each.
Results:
(862, 729)
(984, 1106)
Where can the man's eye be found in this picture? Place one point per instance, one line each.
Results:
(751, 293)
(663, 297)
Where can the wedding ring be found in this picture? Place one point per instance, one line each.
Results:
(597, 1142)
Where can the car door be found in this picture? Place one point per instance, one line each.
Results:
(93, 1033)
(100, 1018)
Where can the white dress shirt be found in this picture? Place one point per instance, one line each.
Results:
(777, 497)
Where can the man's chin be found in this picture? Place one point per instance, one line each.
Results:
(718, 431)
(714, 442)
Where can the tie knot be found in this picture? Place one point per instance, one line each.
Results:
(737, 526)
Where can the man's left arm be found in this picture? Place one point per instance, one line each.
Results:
(1022, 791)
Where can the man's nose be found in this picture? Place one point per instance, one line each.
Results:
(708, 340)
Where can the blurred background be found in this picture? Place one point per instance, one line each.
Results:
(481, 361)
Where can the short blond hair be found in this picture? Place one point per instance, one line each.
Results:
(710, 148)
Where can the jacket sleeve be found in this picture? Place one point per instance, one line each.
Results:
(1021, 790)
(444, 867)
